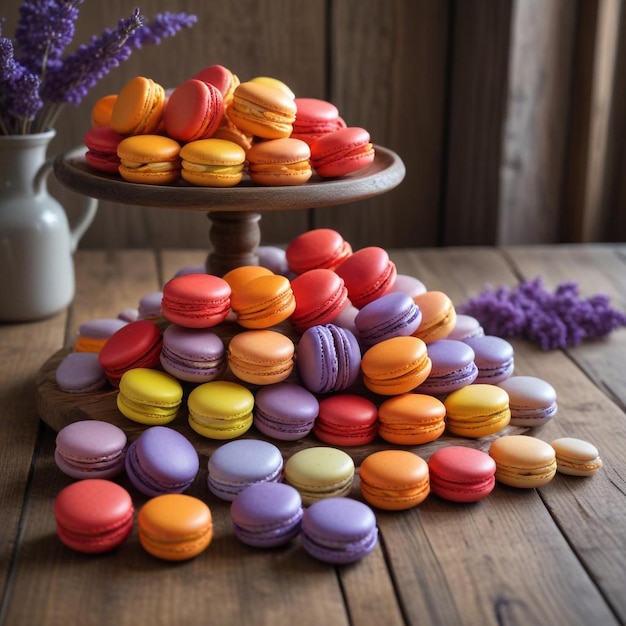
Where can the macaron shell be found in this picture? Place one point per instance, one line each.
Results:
(80, 372)
(461, 474)
(317, 248)
(175, 527)
(523, 461)
(576, 457)
(394, 480)
(315, 117)
(138, 108)
(279, 162)
(149, 159)
(102, 110)
(494, 357)
(438, 316)
(243, 274)
(453, 367)
(346, 420)
(93, 515)
(533, 401)
(212, 163)
(342, 152)
(101, 152)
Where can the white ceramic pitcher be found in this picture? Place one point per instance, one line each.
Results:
(36, 241)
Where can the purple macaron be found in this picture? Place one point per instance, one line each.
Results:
(80, 372)
(149, 306)
(339, 530)
(90, 449)
(267, 515)
(465, 327)
(285, 411)
(453, 367)
(391, 315)
(328, 358)
(161, 460)
(192, 354)
(240, 463)
(532, 400)
(494, 358)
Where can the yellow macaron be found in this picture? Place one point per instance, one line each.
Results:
(212, 163)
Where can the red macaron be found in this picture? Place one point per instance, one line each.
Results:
(194, 110)
(101, 143)
(346, 420)
(321, 296)
(315, 118)
(342, 152)
(368, 273)
(317, 248)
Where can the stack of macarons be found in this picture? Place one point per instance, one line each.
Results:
(212, 128)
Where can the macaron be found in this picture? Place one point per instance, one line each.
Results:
(220, 409)
(222, 78)
(410, 419)
(267, 514)
(320, 295)
(465, 327)
(276, 83)
(339, 530)
(149, 159)
(461, 473)
(532, 400)
(196, 300)
(149, 306)
(80, 372)
(368, 273)
(161, 460)
(93, 334)
(90, 449)
(318, 248)
(494, 358)
(391, 315)
(314, 118)
(319, 472)
(346, 420)
(285, 411)
(453, 367)
(576, 457)
(149, 396)
(477, 410)
(279, 162)
(411, 285)
(262, 110)
(235, 465)
(239, 276)
(102, 110)
(261, 357)
(93, 516)
(135, 344)
(523, 461)
(394, 480)
(195, 355)
(395, 365)
(274, 258)
(438, 316)
(101, 154)
(193, 111)
(263, 302)
(328, 359)
(175, 527)
(138, 108)
(342, 152)
(212, 163)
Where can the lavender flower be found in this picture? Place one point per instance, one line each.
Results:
(36, 80)
(551, 320)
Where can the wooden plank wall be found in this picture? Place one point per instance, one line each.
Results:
(506, 113)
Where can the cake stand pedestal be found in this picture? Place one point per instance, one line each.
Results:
(234, 212)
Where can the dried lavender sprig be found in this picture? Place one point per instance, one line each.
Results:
(164, 25)
(551, 320)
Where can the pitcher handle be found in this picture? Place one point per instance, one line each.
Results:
(88, 210)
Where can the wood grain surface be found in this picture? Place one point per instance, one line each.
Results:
(552, 555)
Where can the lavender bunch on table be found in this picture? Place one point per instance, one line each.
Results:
(37, 80)
(552, 320)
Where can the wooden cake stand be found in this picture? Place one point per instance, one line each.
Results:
(234, 212)
(235, 235)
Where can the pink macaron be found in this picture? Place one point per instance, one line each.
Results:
(314, 118)
(101, 152)
(342, 152)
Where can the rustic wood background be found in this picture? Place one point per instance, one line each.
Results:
(506, 113)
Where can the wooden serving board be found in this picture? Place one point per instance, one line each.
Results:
(58, 408)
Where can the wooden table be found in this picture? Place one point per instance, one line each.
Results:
(556, 555)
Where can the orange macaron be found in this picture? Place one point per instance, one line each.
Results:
(138, 108)
(212, 163)
(438, 316)
(149, 159)
(279, 162)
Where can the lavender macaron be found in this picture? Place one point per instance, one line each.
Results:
(80, 372)
(267, 515)
(494, 358)
(339, 530)
(161, 460)
(285, 411)
(453, 367)
(328, 358)
(532, 400)
(391, 315)
(90, 449)
(192, 354)
(240, 463)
